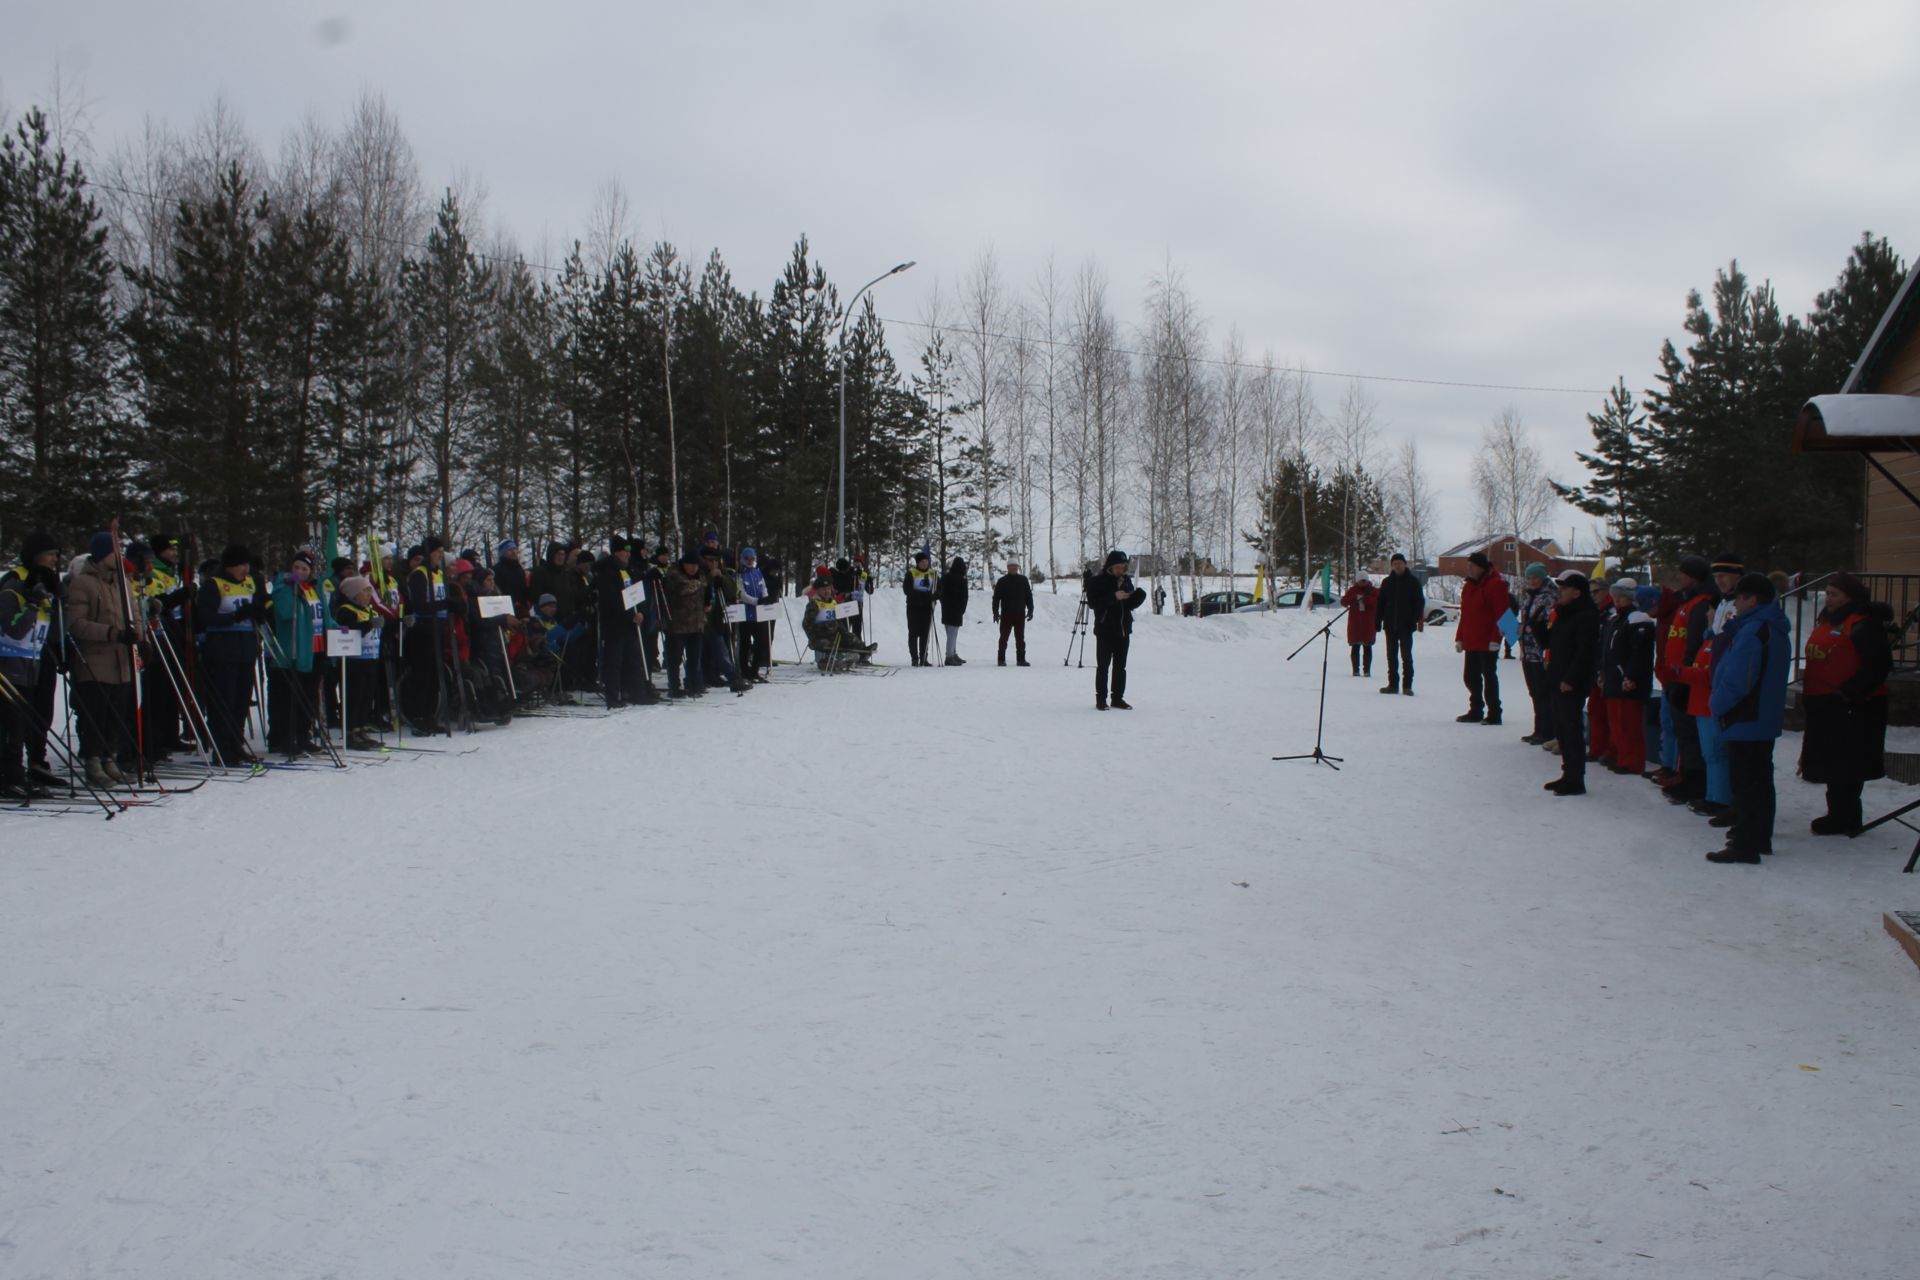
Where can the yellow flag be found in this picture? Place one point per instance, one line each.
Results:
(1599, 568)
(1259, 577)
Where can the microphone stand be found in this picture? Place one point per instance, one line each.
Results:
(1325, 636)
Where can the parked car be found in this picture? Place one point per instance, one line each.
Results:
(1290, 599)
(1442, 613)
(1217, 602)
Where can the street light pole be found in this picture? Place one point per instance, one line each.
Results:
(842, 343)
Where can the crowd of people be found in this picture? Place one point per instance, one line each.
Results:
(231, 660)
(1684, 682)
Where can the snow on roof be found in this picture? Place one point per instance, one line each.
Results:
(1486, 540)
(1858, 422)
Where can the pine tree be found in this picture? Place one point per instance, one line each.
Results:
(1622, 472)
(58, 348)
(448, 293)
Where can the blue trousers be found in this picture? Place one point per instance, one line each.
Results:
(1713, 746)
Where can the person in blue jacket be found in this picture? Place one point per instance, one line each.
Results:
(299, 630)
(753, 639)
(1750, 668)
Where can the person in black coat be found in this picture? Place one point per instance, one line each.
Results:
(1573, 656)
(1013, 610)
(920, 586)
(952, 594)
(1113, 598)
(622, 674)
(1402, 610)
(1845, 699)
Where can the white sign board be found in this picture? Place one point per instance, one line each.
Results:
(736, 613)
(342, 643)
(496, 606)
(846, 609)
(634, 595)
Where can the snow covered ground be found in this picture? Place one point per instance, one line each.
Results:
(943, 974)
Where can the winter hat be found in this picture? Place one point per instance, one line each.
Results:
(748, 553)
(433, 543)
(1729, 562)
(1573, 578)
(1755, 585)
(99, 546)
(547, 599)
(164, 542)
(1537, 570)
(508, 545)
(690, 556)
(235, 554)
(1115, 557)
(1480, 558)
(711, 535)
(1396, 558)
(354, 585)
(922, 554)
(302, 556)
(37, 543)
(1856, 590)
(416, 551)
(661, 553)
(823, 581)
(616, 544)
(462, 566)
(556, 549)
(139, 553)
(340, 564)
(1625, 586)
(1697, 568)
(843, 564)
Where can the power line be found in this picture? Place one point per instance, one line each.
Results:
(498, 259)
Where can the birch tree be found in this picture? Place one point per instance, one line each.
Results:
(1510, 482)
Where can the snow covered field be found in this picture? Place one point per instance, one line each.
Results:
(945, 975)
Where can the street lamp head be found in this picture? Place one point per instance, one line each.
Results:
(902, 267)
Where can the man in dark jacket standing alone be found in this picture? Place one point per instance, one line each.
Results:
(1401, 611)
(1013, 610)
(1573, 655)
(1483, 602)
(1113, 598)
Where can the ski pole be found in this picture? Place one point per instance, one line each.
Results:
(301, 699)
(13, 694)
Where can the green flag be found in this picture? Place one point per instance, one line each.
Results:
(1326, 580)
(329, 552)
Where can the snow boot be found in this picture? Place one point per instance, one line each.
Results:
(1021, 661)
(1121, 704)
(1406, 691)
(1568, 787)
(1099, 703)
(44, 776)
(953, 660)
(1732, 855)
(96, 776)
(1390, 688)
(1003, 659)
(1472, 717)
(1492, 719)
(1836, 824)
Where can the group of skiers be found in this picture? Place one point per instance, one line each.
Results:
(1685, 683)
(426, 638)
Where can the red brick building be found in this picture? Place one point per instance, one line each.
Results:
(1507, 552)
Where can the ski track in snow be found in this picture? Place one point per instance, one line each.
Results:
(946, 975)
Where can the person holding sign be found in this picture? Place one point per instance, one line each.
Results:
(754, 637)
(622, 675)
(354, 610)
(829, 634)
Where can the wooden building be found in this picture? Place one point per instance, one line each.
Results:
(1877, 414)
(1506, 552)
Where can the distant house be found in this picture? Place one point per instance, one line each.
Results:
(1506, 551)
(1876, 413)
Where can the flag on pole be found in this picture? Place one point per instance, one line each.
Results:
(1326, 580)
(1599, 568)
(1259, 577)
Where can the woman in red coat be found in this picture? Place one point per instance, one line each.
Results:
(1362, 602)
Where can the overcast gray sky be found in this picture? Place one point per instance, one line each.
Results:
(1502, 193)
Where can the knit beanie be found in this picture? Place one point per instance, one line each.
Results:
(352, 587)
(1537, 570)
(37, 543)
(100, 546)
(1117, 557)
(1646, 599)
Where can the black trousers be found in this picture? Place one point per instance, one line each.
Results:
(1750, 776)
(919, 627)
(1110, 652)
(621, 674)
(230, 695)
(13, 740)
(106, 719)
(423, 690)
(291, 703)
(1399, 658)
(1540, 689)
(40, 724)
(161, 712)
(1362, 654)
(685, 651)
(1482, 675)
(361, 680)
(1569, 725)
(754, 643)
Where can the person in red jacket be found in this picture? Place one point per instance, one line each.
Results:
(1362, 604)
(1483, 602)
